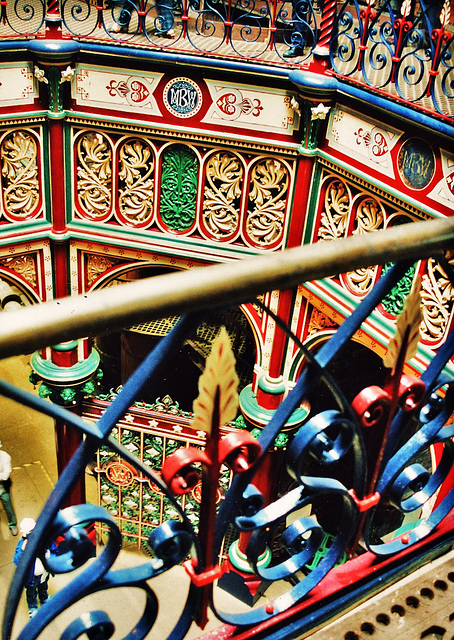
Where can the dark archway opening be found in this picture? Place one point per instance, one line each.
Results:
(354, 369)
(122, 351)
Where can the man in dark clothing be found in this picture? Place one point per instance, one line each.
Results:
(36, 586)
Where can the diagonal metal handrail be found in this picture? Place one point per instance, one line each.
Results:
(25, 330)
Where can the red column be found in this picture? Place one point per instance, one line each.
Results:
(67, 440)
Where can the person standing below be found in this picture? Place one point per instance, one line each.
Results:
(5, 490)
(36, 586)
(301, 30)
(163, 22)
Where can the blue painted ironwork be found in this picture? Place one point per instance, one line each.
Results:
(393, 51)
(249, 27)
(382, 45)
(24, 17)
(332, 436)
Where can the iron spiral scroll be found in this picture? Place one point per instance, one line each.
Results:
(358, 495)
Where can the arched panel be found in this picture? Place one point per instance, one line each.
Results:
(178, 188)
(135, 163)
(333, 218)
(269, 181)
(367, 215)
(222, 196)
(20, 177)
(93, 176)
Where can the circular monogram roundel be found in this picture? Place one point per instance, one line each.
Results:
(182, 97)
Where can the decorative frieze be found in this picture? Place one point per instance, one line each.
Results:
(188, 189)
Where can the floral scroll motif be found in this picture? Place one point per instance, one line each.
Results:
(369, 217)
(24, 265)
(393, 303)
(94, 175)
(223, 185)
(319, 322)
(334, 218)
(96, 265)
(20, 181)
(267, 201)
(438, 300)
(179, 174)
(136, 170)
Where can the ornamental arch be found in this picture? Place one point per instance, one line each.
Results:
(122, 351)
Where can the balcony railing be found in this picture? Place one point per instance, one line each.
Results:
(404, 51)
(408, 415)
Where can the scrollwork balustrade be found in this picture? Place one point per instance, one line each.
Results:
(362, 459)
(391, 47)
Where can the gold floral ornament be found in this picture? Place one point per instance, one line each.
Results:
(445, 15)
(407, 330)
(220, 380)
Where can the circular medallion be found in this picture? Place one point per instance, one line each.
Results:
(182, 97)
(416, 163)
(120, 473)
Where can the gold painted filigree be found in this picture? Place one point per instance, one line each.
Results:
(334, 218)
(319, 322)
(369, 217)
(20, 174)
(223, 184)
(97, 265)
(94, 175)
(24, 265)
(437, 294)
(361, 280)
(267, 201)
(136, 173)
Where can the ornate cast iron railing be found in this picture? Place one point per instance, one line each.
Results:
(386, 45)
(349, 465)
(390, 47)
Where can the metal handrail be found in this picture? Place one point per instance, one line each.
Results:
(27, 329)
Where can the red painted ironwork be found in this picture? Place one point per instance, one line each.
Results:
(238, 450)
(367, 16)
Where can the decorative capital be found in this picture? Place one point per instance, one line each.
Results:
(67, 372)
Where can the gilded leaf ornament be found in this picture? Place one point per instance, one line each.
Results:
(97, 265)
(20, 174)
(407, 334)
(94, 173)
(438, 300)
(445, 15)
(334, 218)
(224, 175)
(24, 265)
(267, 201)
(219, 373)
(361, 280)
(369, 217)
(136, 181)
